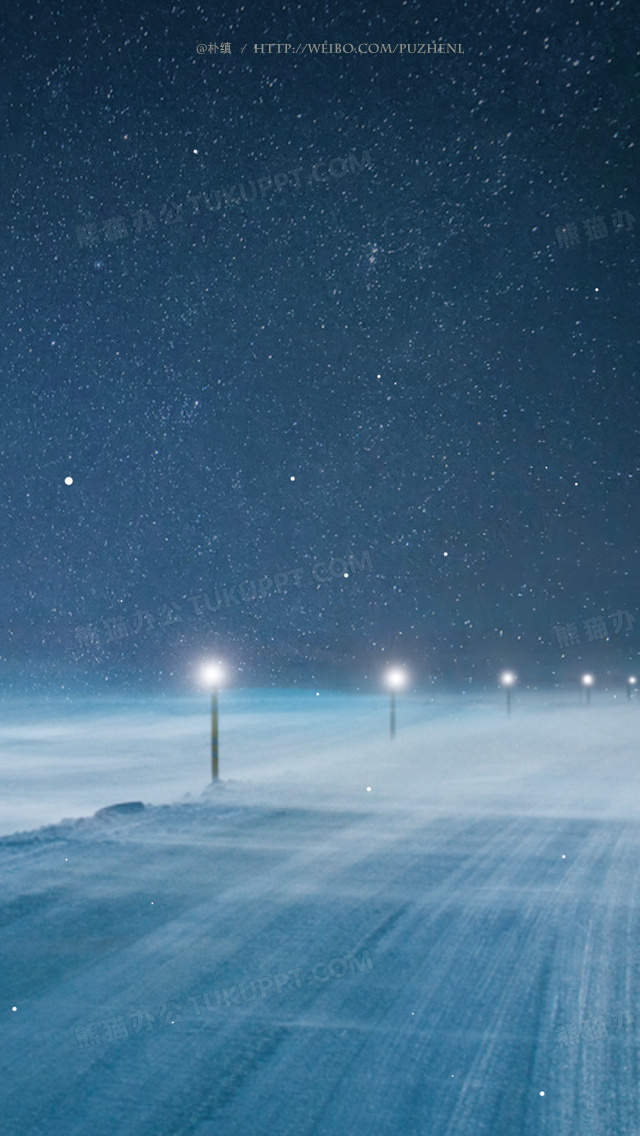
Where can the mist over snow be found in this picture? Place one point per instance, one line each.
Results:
(553, 756)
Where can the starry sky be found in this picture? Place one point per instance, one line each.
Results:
(273, 311)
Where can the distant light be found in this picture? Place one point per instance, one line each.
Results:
(507, 678)
(541, 1094)
(445, 553)
(632, 680)
(68, 481)
(292, 478)
(368, 788)
(588, 680)
(317, 693)
(14, 1008)
(212, 674)
(396, 678)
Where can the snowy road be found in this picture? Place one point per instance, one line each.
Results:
(486, 934)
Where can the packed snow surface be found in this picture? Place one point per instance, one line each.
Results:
(347, 933)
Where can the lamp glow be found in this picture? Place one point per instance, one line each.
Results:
(507, 678)
(396, 678)
(212, 674)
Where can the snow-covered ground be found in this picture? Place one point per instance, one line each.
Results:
(435, 935)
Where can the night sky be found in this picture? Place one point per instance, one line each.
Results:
(270, 310)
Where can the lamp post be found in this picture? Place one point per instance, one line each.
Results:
(212, 675)
(395, 680)
(508, 679)
(631, 682)
(587, 682)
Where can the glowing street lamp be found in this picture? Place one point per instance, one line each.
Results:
(631, 682)
(508, 679)
(395, 679)
(587, 682)
(212, 675)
